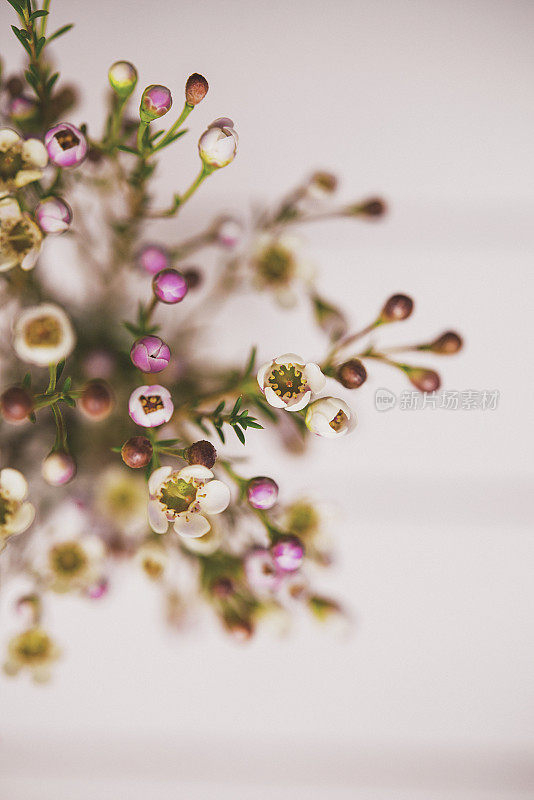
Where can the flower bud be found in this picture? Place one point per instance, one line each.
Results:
(14, 86)
(66, 145)
(426, 380)
(288, 554)
(53, 215)
(137, 452)
(153, 258)
(228, 232)
(329, 318)
(446, 344)
(218, 144)
(397, 308)
(330, 417)
(321, 184)
(196, 89)
(240, 628)
(375, 207)
(22, 109)
(150, 354)
(169, 286)
(202, 453)
(222, 588)
(155, 102)
(352, 374)
(262, 492)
(123, 78)
(97, 590)
(16, 404)
(58, 468)
(193, 278)
(97, 400)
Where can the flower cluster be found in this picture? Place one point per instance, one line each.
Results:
(109, 414)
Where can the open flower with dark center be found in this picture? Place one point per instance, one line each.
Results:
(183, 497)
(278, 263)
(66, 145)
(150, 406)
(330, 417)
(15, 513)
(33, 650)
(73, 563)
(288, 382)
(21, 161)
(43, 335)
(153, 559)
(20, 237)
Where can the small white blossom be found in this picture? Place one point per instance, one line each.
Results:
(330, 417)
(21, 161)
(20, 237)
(289, 382)
(43, 335)
(15, 513)
(218, 144)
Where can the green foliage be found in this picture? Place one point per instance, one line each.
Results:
(237, 419)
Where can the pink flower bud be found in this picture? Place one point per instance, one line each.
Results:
(66, 145)
(53, 215)
(262, 492)
(155, 102)
(288, 554)
(169, 286)
(98, 590)
(58, 468)
(153, 258)
(150, 354)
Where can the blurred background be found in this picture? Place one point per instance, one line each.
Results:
(428, 104)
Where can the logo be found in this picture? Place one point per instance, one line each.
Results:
(384, 400)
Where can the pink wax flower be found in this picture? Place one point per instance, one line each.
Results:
(155, 102)
(66, 145)
(261, 571)
(22, 109)
(53, 215)
(228, 232)
(58, 468)
(262, 492)
(150, 406)
(288, 554)
(150, 354)
(153, 258)
(169, 286)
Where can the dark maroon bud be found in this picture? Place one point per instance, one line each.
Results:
(222, 587)
(16, 404)
(397, 308)
(323, 181)
(374, 207)
(14, 86)
(97, 400)
(446, 344)
(352, 374)
(240, 628)
(196, 89)
(426, 380)
(193, 278)
(94, 155)
(202, 453)
(137, 452)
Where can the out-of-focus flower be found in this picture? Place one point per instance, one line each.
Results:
(208, 544)
(66, 145)
(53, 214)
(122, 77)
(155, 102)
(150, 354)
(351, 374)
(329, 317)
(43, 335)
(16, 404)
(153, 559)
(58, 468)
(183, 497)
(153, 258)
(288, 554)
(98, 589)
(73, 563)
(320, 185)
(261, 572)
(228, 232)
(22, 109)
(33, 650)
(20, 237)
(21, 161)
(97, 400)
(193, 278)
(169, 286)
(330, 417)
(196, 89)
(289, 382)
(120, 497)
(203, 453)
(262, 492)
(150, 406)
(218, 144)
(278, 262)
(16, 515)
(137, 452)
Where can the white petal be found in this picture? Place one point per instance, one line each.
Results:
(14, 482)
(22, 519)
(214, 497)
(8, 138)
(262, 373)
(306, 397)
(273, 399)
(156, 517)
(314, 377)
(320, 425)
(94, 547)
(157, 478)
(30, 259)
(9, 209)
(191, 525)
(25, 176)
(290, 358)
(34, 152)
(196, 471)
(7, 262)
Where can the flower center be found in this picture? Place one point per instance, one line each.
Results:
(68, 559)
(151, 403)
(42, 331)
(33, 645)
(20, 237)
(10, 163)
(339, 421)
(152, 567)
(6, 509)
(303, 519)
(275, 265)
(176, 495)
(287, 381)
(66, 139)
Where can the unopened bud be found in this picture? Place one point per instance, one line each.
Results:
(202, 453)
(97, 400)
(58, 468)
(193, 278)
(122, 77)
(446, 344)
(196, 89)
(374, 207)
(137, 452)
(222, 587)
(155, 102)
(16, 404)
(397, 308)
(322, 183)
(352, 374)
(426, 380)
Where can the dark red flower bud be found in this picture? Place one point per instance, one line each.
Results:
(202, 453)
(375, 207)
(137, 452)
(14, 86)
(16, 404)
(323, 181)
(97, 400)
(397, 308)
(426, 380)
(352, 374)
(193, 278)
(446, 344)
(196, 89)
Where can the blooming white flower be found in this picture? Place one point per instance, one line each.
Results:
(21, 161)
(278, 262)
(218, 144)
(72, 562)
(288, 382)
(20, 237)
(43, 335)
(330, 417)
(153, 559)
(120, 497)
(33, 650)
(183, 497)
(15, 514)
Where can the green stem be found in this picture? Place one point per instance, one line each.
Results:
(143, 126)
(180, 200)
(186, 110)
